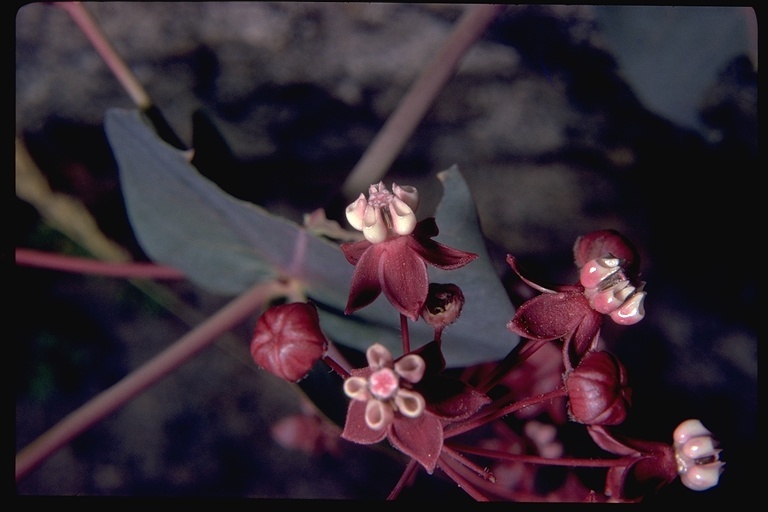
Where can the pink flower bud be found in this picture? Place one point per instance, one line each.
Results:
(597, 390)
(287, 340)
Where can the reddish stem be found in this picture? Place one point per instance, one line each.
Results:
(405, 333)
(119, 394)
(128, 270)
(410, 469)
(400, 126)
(493, 412)
(537, 459)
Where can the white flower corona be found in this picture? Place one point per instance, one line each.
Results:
(384, 213)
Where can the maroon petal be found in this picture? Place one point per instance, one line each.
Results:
(403, 277)
(355, 427)
(550, 315)
(585, 335)
(365, 286)
(421, 438)
(439, 255)
(353, 251)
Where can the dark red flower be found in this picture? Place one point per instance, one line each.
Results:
(287, 340)
(397, 267)
(406, 401)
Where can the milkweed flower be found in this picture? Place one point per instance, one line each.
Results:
(394, 255)
(406, 401)
(608, 285)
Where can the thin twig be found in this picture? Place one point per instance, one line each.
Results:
(158, 367)
(128, 270)
(93, 32)
(388, 143)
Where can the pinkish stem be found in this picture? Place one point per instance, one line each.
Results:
(128, 270)
(536, 459)
(93, 32)
(493, 413)
(151, 372)
(399, 127)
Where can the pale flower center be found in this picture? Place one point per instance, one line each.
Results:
(383, 383)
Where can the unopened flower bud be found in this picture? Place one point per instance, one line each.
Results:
(287, 340)
(443, 305)
(597, 390)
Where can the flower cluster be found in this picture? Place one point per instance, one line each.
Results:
(559, 373)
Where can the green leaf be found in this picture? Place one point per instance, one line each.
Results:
(226, 245)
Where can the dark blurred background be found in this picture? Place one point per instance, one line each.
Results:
(563, 120)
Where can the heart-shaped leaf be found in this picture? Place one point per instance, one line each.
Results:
(226, 245)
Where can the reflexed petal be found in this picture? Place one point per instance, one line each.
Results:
(365, 285)
(420, 438)
(550, 315)
(411, 367)
(355, 428)
(403, 278)
(357, 389)
(409, 403)
(439, 255)
(353, 251)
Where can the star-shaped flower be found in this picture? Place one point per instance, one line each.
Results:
(393, 258)
(407, 401)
